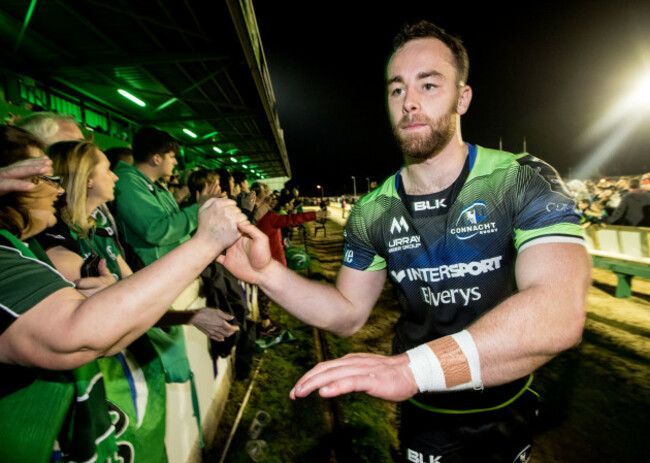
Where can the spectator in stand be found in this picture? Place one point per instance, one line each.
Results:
(590, 213)
(78, 236)
(634, 208)
(239, 178)
(222, 290)
(246, 198)
(227, 182)
(51, 334)
(152, 224)
(623, 186)
(178, 187)
(578, 189)
(262, 200)
(52, 127)
(273, 222)
(201, 181)
(148, 216)
(645, 181)
(74, 244)
(119, 153)
(606, 198)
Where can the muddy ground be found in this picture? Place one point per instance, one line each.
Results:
(596, 397)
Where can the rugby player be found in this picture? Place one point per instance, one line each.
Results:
(487, 255)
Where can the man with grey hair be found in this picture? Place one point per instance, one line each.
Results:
(52, 127)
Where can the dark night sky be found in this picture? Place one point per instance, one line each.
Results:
(547, 72)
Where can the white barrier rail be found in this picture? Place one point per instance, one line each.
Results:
(212, 380)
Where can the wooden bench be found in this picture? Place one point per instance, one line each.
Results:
(623, 250)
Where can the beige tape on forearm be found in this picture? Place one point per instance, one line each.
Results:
(455, 364)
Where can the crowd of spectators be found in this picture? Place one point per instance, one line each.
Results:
(613, 201)
(94, 248)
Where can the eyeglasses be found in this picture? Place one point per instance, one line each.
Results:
(54, 180)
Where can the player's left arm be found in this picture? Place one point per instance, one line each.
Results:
(544, 318)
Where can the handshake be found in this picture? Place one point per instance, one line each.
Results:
(224, 227)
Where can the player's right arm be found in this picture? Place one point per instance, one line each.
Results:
(342, 309)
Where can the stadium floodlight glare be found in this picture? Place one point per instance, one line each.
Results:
(642, 93)
(217, 149)
(190, 133)
(133, 98)
(615, 127)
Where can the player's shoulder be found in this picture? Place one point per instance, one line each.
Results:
(387, 188)
(522, 165)
(375, 204)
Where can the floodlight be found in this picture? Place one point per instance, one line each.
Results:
(133, 98)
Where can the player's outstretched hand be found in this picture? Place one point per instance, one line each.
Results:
(249, 255)
(387, 378)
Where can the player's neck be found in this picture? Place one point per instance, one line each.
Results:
(437, 173)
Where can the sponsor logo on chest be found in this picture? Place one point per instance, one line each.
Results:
(445, 272)
(472, 221)
(402, 243)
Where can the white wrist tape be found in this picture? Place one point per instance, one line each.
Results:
(426, 369)
(430, 374)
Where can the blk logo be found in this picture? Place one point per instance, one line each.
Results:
(429, 205)
(417, 457)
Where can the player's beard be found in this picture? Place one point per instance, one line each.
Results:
(423, 146)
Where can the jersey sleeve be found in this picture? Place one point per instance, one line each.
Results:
(358, 251)
(24, 282)
(545, 210)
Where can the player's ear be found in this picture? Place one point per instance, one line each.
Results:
(464, 99)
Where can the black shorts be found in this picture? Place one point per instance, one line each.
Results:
(503, 435)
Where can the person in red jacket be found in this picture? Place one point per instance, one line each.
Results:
(272, 224)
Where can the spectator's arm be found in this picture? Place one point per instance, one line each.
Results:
(618, 213)
(292, 220)
(124, 267)
(69, 263)
(66, 330)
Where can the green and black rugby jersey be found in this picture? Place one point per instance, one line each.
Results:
(451, 255)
